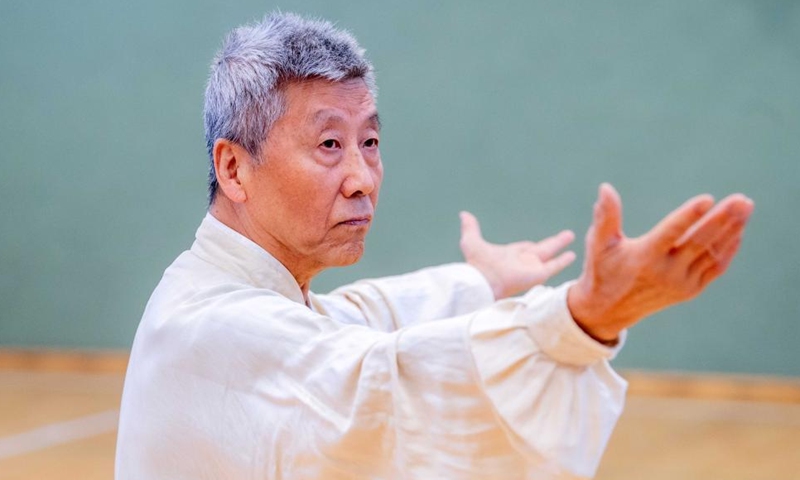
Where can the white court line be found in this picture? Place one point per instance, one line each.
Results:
(59, 433)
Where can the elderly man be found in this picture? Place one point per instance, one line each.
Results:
(239, 371)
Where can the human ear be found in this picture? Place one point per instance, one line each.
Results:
(229, 161)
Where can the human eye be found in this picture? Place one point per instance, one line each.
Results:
(371, 143)
(331, 144)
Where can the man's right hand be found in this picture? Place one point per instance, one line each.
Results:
(625, 279)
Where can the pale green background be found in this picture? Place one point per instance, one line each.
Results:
(514, 110)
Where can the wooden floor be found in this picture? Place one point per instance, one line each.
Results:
(32, 402)
(62, 426)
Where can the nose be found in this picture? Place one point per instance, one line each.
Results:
(359, 176)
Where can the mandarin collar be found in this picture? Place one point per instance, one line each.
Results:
(231, 251)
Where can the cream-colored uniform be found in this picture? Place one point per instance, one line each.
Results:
(419, 376)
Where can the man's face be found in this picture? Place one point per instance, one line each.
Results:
(314, 194)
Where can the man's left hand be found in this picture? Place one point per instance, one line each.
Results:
(514, 267)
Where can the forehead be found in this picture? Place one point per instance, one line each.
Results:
(317, 101)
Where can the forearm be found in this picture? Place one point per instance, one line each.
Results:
(390, 303)
(519, 373)
(553, 388)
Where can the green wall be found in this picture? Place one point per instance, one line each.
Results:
(513, 110)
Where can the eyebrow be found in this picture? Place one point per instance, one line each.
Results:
(324, 116)
(375, 119)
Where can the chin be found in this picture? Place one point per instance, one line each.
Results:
(348, 255)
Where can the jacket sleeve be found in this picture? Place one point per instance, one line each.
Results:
(514, 390)
(387, 304)
(553, 391)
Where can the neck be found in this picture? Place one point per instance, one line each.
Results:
(235, 217)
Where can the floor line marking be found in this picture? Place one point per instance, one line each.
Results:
(59, 433)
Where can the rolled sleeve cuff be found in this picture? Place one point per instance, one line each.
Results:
(554, 330)
(482, 292)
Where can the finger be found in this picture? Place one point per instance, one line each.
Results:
(698, 245)
(716, 252)
(701, 265)
(670, 229)
(551, 245)
(734, 208)
(607, 217)
(556, 265)
(711, 258)
(721, 265)
(470, 230)
(729, 237)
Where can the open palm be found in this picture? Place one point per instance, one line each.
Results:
(514, 267)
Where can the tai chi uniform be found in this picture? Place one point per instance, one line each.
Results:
(419, 376)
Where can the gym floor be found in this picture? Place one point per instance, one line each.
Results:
(62, 425)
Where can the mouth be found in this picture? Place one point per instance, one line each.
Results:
(357, 221)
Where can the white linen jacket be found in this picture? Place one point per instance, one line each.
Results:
(419, 376)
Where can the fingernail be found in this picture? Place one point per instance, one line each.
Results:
(704, 204)
(741, 210)
(749, 207)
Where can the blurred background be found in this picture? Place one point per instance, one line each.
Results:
(515, 111)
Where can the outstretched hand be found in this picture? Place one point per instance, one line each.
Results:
(625, 279)
(514, 267)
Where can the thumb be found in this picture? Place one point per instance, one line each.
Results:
(470, 231)
(607, 220)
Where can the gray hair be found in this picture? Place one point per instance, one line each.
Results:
(244, 97)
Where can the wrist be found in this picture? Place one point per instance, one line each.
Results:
(494, 284)
(589, 317)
